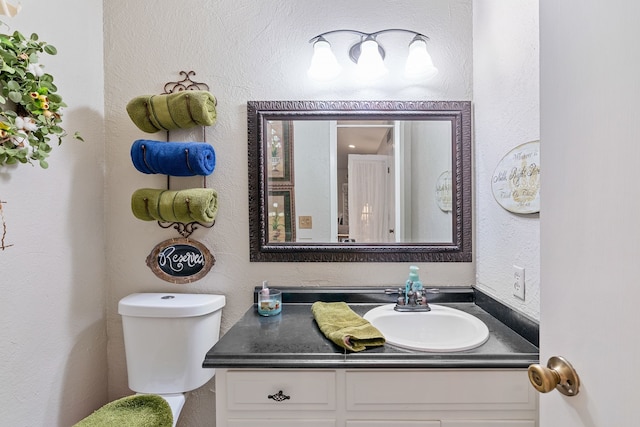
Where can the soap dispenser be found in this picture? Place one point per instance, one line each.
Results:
(412, 285)
(413, 282)
(269, 301)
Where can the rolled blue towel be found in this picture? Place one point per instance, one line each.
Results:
(173, 158)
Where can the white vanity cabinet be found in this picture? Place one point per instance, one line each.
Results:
(248, 398)
(375, 398)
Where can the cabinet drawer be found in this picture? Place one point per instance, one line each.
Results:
(439, 390)
(390, 423)
(281, 423)
(490, 423)
(281, 390)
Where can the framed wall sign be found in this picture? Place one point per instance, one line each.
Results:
(279, 137)
(516, 180)
(282, 226)
(180, 260)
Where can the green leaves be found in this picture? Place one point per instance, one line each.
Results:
(29, 103)
(14, 89)
(54, 97)
(12, 155)
(15, 96)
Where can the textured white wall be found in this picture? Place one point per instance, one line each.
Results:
(430, 223)
(313, 189)
(506, 114)
(250, 50)
(52, 281)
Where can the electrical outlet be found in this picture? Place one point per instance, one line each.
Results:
(518, 282)
(305, 222)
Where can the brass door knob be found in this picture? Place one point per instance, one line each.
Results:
(559, 374)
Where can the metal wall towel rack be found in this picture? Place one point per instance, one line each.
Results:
(185, 230)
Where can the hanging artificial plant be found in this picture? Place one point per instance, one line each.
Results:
(29, 103)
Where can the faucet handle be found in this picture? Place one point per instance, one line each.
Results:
(399, 292)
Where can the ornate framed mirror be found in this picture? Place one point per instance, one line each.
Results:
(359, 181)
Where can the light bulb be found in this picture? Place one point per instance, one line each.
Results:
(370, 63)
(324, 65)
(419, 63)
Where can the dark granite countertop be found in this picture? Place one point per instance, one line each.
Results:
(293, 340)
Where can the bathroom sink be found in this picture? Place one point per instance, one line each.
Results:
(443, 329)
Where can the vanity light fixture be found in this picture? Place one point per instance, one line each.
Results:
(324, 65)
(369, 56)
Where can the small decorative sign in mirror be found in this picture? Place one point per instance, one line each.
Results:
(180, 260)
(443, 191)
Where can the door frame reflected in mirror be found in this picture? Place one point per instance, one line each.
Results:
(259, 113)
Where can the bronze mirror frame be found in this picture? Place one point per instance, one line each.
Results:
(458, 112)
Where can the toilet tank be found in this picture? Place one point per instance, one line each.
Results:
(166, 337)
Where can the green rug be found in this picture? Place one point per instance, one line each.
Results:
(144, 410)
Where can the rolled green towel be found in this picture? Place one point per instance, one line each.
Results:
(185, 206)
(145, 202)
(169, 111)
(141, 410)
(344, 327)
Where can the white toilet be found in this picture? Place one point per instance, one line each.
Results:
(166, 337)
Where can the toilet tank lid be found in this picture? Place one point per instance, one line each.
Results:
(169, 304)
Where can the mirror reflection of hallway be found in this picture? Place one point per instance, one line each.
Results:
(365, 194)
(369, 192)
(417, 153)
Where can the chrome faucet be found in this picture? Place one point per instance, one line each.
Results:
(410, 300)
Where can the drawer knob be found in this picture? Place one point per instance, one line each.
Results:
(279, 396)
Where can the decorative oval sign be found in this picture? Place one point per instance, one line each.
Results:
(516, 180)
(180, 260)
(443, 191)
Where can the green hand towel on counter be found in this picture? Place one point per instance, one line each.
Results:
(168, 111)
(185, 206)
(345, 327)
(144, 410)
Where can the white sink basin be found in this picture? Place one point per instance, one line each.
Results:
(443, 329)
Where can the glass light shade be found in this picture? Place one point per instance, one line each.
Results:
(419, 63)
(370, 63)
(324, 65)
